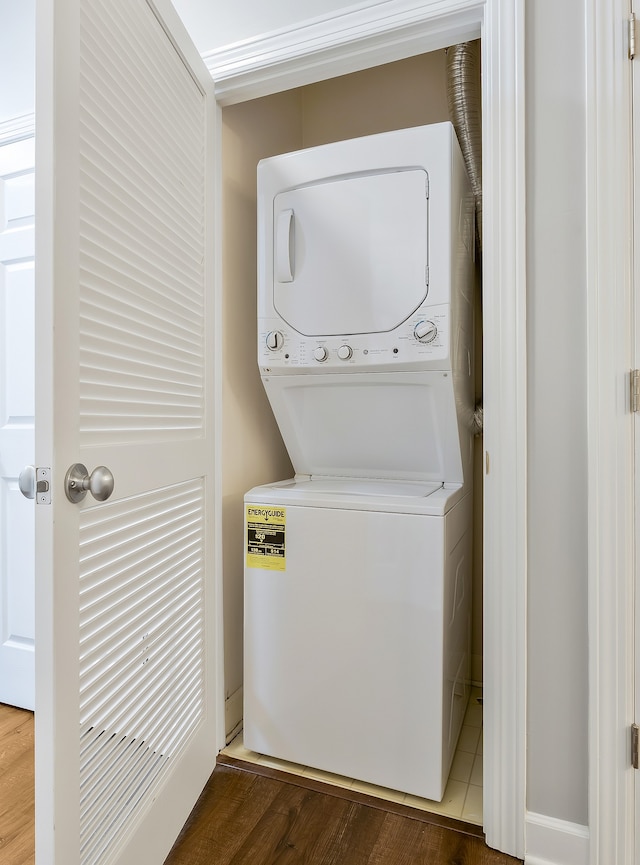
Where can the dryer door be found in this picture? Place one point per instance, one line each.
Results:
(350, 254)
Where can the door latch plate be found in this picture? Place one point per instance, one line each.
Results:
(43, 486)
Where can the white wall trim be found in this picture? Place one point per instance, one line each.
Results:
(398, 29)
(610, 432)
(555, 842)
(17, 128)
(505, 426)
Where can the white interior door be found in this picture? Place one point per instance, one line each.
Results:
(16, 422)
(126, 679)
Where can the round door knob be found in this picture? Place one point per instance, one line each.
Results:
(345, 352)
(27, 482)
(320, 353)
(34, 483)
(78, 481)
(425, 331)
(275, 340)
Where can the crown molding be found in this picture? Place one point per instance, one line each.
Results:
(338, 44)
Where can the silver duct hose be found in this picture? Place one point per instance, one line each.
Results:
(478, 420)
(464, 97)
(465, 111)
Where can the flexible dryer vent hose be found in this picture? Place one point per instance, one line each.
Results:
(464, 97)
(465, 111)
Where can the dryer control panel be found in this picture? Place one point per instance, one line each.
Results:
(422, 341)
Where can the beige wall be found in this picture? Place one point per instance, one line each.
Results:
(411, 92)
(253, 452)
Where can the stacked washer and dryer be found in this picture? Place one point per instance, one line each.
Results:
(358, 569)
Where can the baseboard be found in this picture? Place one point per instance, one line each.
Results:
(233, 714)
(549, 841)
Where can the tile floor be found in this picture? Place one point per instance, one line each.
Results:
(463, 794)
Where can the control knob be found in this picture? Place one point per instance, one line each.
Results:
(275, 340)
(320, 353)
(345, 352)
(425, 331)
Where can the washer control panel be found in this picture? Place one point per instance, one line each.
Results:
(422, 339)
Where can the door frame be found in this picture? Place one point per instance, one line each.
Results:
(365, 37)
(610, 323)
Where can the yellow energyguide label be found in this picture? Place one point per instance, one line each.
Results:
(266, 537)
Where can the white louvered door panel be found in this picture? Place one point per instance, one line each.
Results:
(126, 689)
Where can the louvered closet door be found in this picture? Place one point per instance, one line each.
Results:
(126, 676)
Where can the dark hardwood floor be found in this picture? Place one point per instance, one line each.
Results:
(17, 793)
(252, 816)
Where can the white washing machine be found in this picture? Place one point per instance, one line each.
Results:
(358, 570)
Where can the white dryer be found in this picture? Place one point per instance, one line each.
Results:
(358, 570)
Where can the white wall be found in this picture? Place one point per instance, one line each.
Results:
(557, 780)
(17, 58)
(556, 312)
(214, 23)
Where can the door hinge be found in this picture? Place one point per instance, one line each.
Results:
(634, 390)
(635, 746)
(632, 36)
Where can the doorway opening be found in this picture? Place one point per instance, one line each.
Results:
(405, 93)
